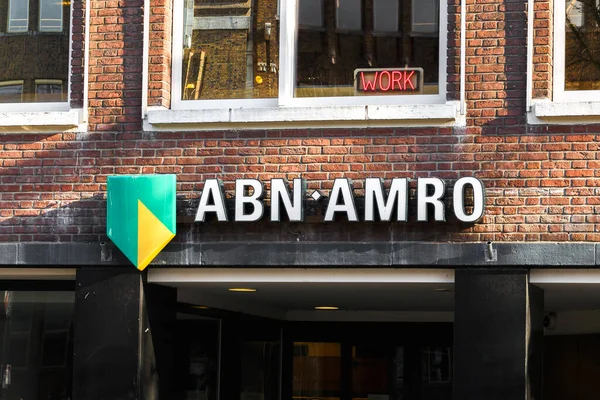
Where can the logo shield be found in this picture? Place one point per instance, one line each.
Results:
(140, 217)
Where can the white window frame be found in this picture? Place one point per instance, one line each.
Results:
(40, 19)
(45, 106)
(559, 92)
(287, 68)
(8, 30)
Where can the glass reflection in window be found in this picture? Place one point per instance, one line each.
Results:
(36, 344)
(359, 34)
(11, 92)
(30, 52)
(51, 16)
(18, 16)
(231, 50)
(582, 45)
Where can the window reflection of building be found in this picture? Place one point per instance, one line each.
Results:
(18, 16)
(51, 18)
(11, 92)
(365, 34)
(34, 46)
(582, 45)
(231, 49)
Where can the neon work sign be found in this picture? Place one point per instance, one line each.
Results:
(388, 80)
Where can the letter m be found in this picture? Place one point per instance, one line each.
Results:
(374, 197)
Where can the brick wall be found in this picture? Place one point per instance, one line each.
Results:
(496, 66)
(159, 63)
(542, 50)
(540, 187)
(77, 53)
(542, 181)
(115, 75)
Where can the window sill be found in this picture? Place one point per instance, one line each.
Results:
(546, 111)
(293, 117)
(40, 120)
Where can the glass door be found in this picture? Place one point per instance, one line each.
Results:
(259, 371)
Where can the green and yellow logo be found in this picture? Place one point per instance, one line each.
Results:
(140, 217)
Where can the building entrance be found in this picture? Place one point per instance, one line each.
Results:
(247, 358)
(373, 341)
(370, 361)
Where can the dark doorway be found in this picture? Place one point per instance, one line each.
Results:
(224, 355)
(371, 360)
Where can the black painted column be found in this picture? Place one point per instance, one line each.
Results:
(498, 334)
(122, 339)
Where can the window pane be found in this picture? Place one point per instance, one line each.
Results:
(349, 16)
(231, 50)
(310, 13)
(54, 349)
(18, 15)
(437, 365)
(425, 16)
(327, 60)
(582, 45)
(11, 93)
(259, 370)
(49, 92)
(386, 15)
(28, 58)
(35, 334)
(50, 15)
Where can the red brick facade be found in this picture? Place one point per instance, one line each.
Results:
(115, 75)
(159, 68)
(542, 181)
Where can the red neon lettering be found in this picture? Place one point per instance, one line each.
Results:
(368, 85)
(397, 78)
(407, 80)
(389, 81)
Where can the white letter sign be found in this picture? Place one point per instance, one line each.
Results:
(341, 187)
(213, 188)
(241, 198)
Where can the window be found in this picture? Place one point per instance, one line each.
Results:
(577, 50)
(49, 90)
(18, 16)
(310, 14)
(326, 63)
(11, 91)
(386, 14)
(51, 16)
(237, 54)
(425, 17)
(34, 67)
(36, 344)
(349, 14)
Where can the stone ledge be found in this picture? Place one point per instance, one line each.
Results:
(310, 254)
(293, 117)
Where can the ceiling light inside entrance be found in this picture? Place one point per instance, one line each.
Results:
(242, 290)
(326, 308)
